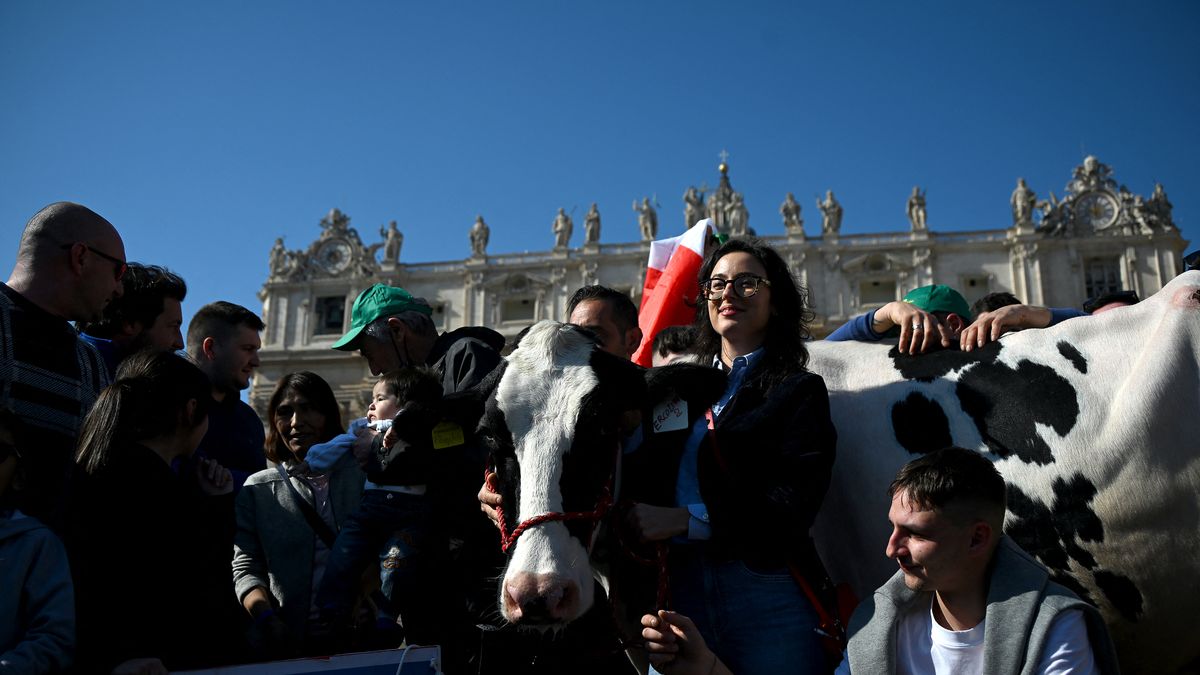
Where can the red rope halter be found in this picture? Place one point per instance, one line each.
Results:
(603, 504)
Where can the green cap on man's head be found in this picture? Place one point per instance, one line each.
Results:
(378, 301)
(939, 298)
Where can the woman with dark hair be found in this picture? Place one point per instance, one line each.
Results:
(148, 546)
(745, 493)
(286, 524)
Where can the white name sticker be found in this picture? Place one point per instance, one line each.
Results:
(670, 415)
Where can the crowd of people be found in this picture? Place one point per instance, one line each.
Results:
(151, 521)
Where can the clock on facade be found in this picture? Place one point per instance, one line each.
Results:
(1097, 209)
(334, 255)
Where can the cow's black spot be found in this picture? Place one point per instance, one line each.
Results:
(1007, 404)
(920, 425)
(1054, 536)
(1071, 354)
(942, 362)
(1073, 511)
(1121, 592)
(1031, 526)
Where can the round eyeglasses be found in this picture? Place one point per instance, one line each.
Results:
(743, 285)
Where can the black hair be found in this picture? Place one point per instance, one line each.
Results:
(316, 390)
(954, 477)
(787, 330)
(674, 340)
(413, 385)
(993, 301)
(145, 289)
(624, 309)
(1092, 304)
(146, 401)
(219, 320)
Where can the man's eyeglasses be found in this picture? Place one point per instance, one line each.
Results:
(743, 285)
(121, 265)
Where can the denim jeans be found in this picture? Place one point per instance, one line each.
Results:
(755, 620)
(396, 529)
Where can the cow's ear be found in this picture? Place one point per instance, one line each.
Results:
(700, 386)
(620, 376)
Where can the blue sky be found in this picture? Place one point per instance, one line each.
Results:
(204, 130)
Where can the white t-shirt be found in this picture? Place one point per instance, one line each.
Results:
(924, 647)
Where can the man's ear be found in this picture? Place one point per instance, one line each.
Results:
(982, 537)
(633, 338)
(209, 348)
(955, 323)
(397, 326)
(75, 258)
(131, 329)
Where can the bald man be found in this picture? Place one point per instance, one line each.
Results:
(69, 267)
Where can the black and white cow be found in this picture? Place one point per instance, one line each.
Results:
(554, 422)
(1095, 425)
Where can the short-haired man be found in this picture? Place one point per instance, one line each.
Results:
(223, 340)
(69, 267)
(608, 313)
(148, 315)
(966, 599)
(672, 344)
(391, 328)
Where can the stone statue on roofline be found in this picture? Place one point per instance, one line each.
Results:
(831, 214)
(393, 240)
(915, 209)
(591, 226)
(1023, 201)
(790, 210)
(480, 232)
(562, 229)
(647, 219)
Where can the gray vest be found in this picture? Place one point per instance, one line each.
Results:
(1022, 602)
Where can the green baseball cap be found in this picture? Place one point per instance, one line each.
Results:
(939, 298)
(378, 301)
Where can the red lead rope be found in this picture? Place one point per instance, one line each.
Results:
(603, 504)
(509, 539)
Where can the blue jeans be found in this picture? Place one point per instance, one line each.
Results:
(756, 620)
(398, 530)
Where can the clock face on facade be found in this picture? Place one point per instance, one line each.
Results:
(334, 255)
(1097, 209)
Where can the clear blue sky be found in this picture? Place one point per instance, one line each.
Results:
(204, 130)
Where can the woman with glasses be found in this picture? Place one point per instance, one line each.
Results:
(752, 475)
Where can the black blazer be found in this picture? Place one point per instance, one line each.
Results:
(764, 478)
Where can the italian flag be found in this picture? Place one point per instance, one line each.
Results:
(669, 294)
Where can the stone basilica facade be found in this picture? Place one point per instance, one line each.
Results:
(1097, 238)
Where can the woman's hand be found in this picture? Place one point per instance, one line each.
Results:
(213, 478)
(675, 646)
(656, 523)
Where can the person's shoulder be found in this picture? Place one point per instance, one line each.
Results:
(265, 477)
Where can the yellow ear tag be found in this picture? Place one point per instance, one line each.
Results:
(447, 435)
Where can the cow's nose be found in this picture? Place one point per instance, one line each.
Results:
(540, 598)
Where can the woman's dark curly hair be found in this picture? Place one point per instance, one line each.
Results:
(787, 329)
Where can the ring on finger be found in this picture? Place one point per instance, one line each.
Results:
(917, 326)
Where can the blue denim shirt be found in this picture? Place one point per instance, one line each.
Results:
(687, 484)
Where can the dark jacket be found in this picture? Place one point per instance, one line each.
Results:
(151, 566)
(463, 357)
(763, 473)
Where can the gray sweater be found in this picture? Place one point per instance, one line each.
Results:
(1022, 602)
(274, 544)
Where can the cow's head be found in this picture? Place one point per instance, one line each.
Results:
(553, 423)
